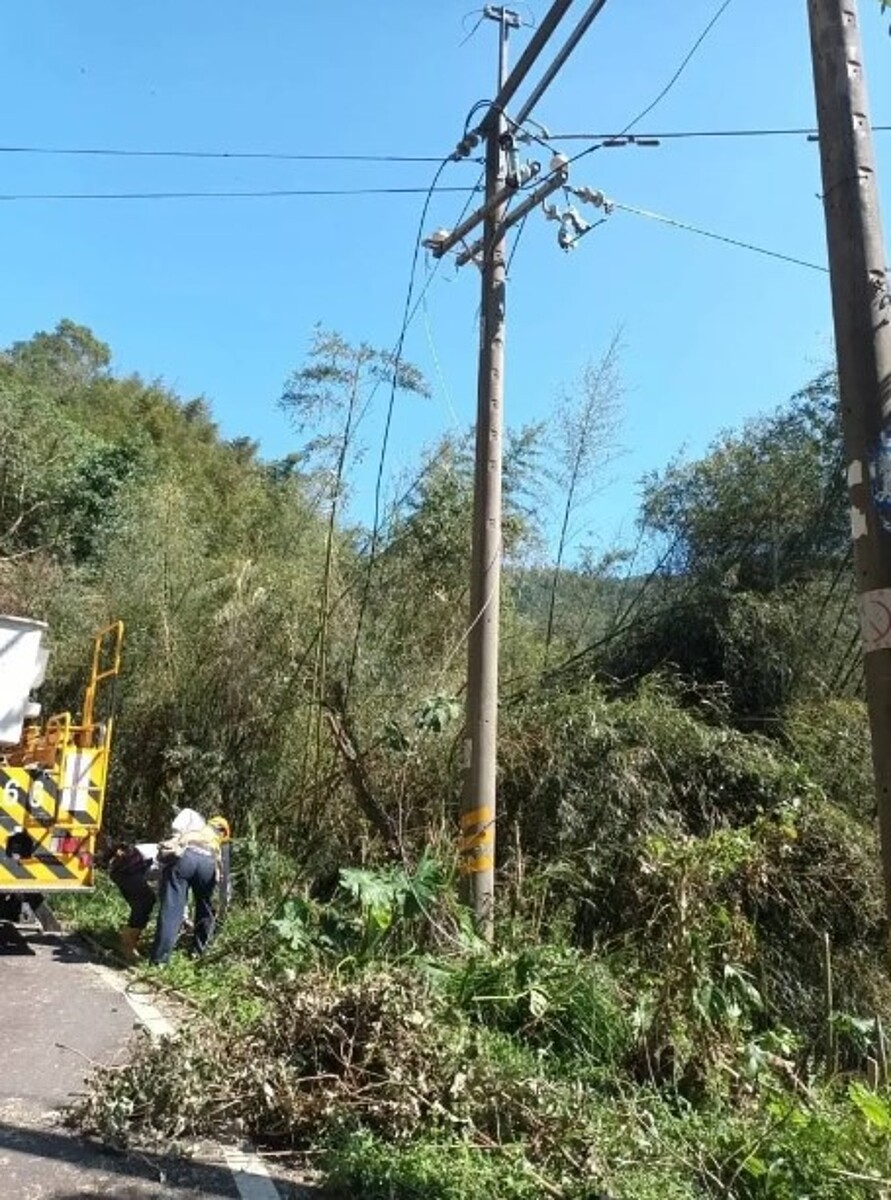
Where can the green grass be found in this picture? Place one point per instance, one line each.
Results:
(365, 1166)
(224, 977)
(470, 1074)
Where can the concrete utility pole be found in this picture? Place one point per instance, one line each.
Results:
(505, 178)
(862, 315)
(478, 800)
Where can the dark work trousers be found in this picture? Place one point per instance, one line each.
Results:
(194, 871)
(138, 892)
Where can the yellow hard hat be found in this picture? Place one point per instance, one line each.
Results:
(221, 825)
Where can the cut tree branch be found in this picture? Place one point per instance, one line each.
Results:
(345, 741)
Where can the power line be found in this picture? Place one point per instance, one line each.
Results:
(685, 61)
(719, 237)
(288, 156)
(437, 365)
(270, 193)
(515, 246)
(623, 622)
(408, 313)
(270, 155)
(464, 20)
(530, 23)
(682, 66)
(682, 134)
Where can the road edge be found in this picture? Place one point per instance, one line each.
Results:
(249, 1173)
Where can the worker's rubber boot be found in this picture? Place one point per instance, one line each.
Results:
(129, 940)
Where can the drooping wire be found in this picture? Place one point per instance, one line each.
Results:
(854, 658)
(623, 623)
(516, 243)
(408, 314)
(684, 63)
(528, 24)
(480, 18)
(540, 137)
(267, 155)
(684, 134)
(273, 193)
(474, 109)
(437, 364)
(719, 237)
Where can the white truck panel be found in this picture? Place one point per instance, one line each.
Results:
(22, 667)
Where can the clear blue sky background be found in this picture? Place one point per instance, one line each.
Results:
(219, 297)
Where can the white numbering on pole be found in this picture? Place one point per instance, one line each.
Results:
(11, 791)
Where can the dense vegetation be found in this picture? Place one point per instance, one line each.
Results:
(688, 997)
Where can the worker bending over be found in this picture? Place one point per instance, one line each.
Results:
(191, 861)
(130, 869)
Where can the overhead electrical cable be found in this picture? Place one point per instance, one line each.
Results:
(428, 192)
(270, 155)
(684, 63)
(685, 134)
(408, 314)
(682, 66)
(266, 193)
(480, 18)
(288, 156)
(718, 237)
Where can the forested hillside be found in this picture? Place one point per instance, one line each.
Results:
(688, 996)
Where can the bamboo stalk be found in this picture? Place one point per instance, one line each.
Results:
(831, 1046)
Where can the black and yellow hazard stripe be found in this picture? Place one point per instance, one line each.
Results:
(31, 804)
(43, 798)
(27, 797)
(44, 873)
(477, 843)
(40, 867)
(44, 869)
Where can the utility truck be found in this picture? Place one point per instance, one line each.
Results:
(53, 771)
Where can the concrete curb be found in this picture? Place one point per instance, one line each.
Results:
(248, 1171)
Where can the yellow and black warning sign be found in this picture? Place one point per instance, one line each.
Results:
(52, 788)
(49, 820)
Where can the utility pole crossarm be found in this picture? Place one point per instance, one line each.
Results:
(555, 180)
(441, 243)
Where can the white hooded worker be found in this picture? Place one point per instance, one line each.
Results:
(190, 862)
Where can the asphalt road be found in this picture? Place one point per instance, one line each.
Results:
(58, 1017)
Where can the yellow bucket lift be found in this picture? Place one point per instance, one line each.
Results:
(52, 775)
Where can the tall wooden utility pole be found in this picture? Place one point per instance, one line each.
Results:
(861, 306)
(478, 799)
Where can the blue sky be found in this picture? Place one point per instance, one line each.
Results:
(219, 297)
